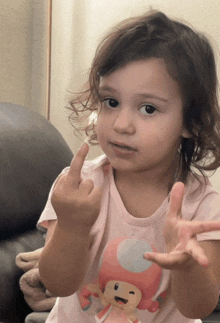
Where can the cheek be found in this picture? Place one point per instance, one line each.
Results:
(99, 127)
(101, 121)
(161, 131)
(102, 128)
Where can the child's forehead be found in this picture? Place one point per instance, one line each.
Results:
(136, 67)
(138, 76)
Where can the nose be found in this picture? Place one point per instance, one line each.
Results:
(124, 121)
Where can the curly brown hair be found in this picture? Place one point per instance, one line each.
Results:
(190, 61)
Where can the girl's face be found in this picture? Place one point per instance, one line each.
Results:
(140, 123)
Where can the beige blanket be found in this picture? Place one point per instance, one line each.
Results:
(35, 294)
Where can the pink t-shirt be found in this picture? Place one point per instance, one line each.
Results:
(120, 285)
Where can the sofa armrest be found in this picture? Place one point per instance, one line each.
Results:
(13, 307)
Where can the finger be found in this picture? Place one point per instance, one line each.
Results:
(196, 251)
(96, 194)
(58, 181)
(96, 197)
(86, 186)
(176, 199)
(191, 246)
(184, 235)
(167, 260)
(204, 226)
(74, 174)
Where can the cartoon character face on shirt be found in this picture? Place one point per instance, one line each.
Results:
(122, 294)
(123, 262)
(126, 280)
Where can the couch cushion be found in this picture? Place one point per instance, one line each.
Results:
(13, 307)
(32, 154)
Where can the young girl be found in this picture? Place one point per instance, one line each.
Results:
(133, 235)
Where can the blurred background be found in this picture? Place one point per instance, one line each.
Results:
(46, 48)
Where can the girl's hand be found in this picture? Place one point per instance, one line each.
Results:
(76, 202)
(180, 236)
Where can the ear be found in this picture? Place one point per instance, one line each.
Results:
(185, 134)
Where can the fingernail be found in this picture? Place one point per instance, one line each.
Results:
(205, 263)
(86, 141)
(146, 256)
(83, 145)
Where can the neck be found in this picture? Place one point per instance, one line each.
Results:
(158, 179)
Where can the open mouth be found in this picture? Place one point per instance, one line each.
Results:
(120, 300)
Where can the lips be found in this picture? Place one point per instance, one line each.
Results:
(123, 146)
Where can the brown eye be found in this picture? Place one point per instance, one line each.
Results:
(147, 109)
(111, 103)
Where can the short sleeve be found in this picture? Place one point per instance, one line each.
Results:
(201, 203)
(209, 210)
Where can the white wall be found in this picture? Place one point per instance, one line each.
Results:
(79, 25)
(23, 53)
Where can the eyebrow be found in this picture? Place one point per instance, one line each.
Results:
(140, 95)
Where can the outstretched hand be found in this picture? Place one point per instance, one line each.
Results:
(180, 236)
(76, 201)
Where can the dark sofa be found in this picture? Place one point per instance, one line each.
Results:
(32, 154)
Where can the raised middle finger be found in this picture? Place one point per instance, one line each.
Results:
(74, 175)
